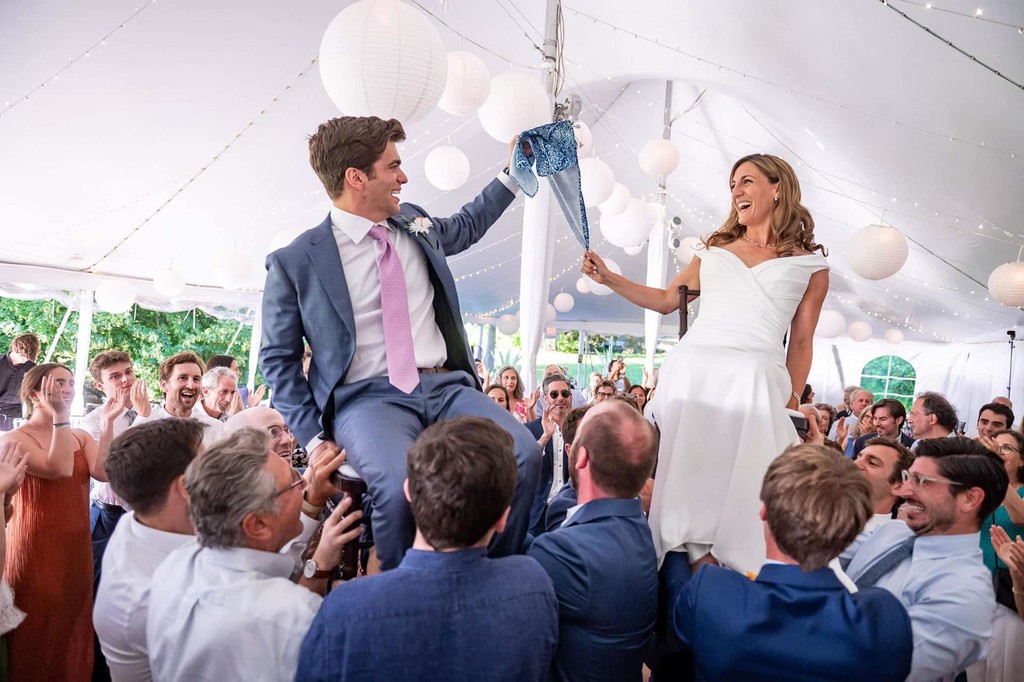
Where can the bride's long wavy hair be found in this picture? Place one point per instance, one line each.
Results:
(792, 225)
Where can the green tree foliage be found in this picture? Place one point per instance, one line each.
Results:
(890, 376)
(148, 335)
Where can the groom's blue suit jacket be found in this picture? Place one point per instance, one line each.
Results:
(306, 296)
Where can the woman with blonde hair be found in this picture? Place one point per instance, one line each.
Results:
(763, 280)
(49, 551)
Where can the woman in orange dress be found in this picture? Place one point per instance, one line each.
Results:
(49, 551)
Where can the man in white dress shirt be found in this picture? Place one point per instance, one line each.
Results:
(883, 461)
(220, 386)
(181, 378)
(226, 607)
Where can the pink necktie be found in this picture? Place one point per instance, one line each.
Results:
(394, 312)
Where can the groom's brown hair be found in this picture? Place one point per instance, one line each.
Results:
(350, 142)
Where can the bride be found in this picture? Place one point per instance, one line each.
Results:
(724, 389)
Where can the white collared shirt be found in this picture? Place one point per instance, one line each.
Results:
(226, 614)
(90, 423)
(122, 601)
(211, 433)
(359, 252)
(558, 472)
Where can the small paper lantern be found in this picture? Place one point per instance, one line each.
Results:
(658, 157)
(517, 102)
(169, 283)
(831, 324)
(564, 302)
(383, 58)
(617, 202)
(600, 289)
(467, 85)
(550, 314)
(596, 180)
(1006, 284)
(446, 168)
(633, 250)
(508, 324)
(894, 336)
(687, 247)
(631, 227)
(877, 251)
(115, 296)
(234, 272)
(583, 285)
(859, 331)
(584, 138)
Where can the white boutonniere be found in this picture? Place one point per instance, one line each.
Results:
(418, 226)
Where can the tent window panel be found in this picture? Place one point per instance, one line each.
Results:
(874, 384)
(890, 376)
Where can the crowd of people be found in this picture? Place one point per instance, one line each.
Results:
(487, 531)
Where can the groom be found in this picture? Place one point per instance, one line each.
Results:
(371, 292)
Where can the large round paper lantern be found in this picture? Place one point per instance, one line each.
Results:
(233, 272)
(583, 285)
(467, 85)
(631, 227)
(169, 283)
(687, 247)
(383, 58)
(564, 302)
(633, 250)
(115, 296)
(584, 138)
(658, 157)
(877, 251)
(831, 324)
(600, 289)
(859, 331)
(446, 168)
(894, 336)
(508, 324)
(517, 102)
(617, 202)
(550, 314)
(1006, 284)
(596, 180)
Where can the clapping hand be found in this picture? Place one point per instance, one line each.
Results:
(547, 422)
(139, 398)
(13, 464)
(256, 397)
(531, 400)
(1010, 553)
(111, 408)
(51, 399)
(841, 430)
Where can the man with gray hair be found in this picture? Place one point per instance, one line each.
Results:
(226, 607)
(220, 386)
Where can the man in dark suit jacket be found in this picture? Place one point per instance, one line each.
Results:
(888, 417)
(796, 621)
(336, 287)
(547, 429)
(602, 559)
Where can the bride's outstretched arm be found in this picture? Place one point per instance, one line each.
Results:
(664, 301)
(801, 334)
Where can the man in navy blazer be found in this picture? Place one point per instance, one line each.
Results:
(325, 288)
(547, 429)
(796, 621)
(602, 560)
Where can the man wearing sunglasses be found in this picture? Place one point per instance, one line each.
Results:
(932, 563)
(548, 432)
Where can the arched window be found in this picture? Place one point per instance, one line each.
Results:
(890, 376)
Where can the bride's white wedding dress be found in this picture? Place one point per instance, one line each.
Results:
(721, 407)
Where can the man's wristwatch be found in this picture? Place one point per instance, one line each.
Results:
(310, 571)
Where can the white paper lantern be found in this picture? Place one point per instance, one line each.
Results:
(859, 331)
(467, 85)
(169, 283)
(831, 324)
(687, 247)
(383, 58)
(894, 336)
(617, 202)
(550, 314)
(1006, 284)
(877, 251)
(508, 324)
(517, 102)
(115, 296)
(596, 180)
(658, 157)
(564, 302)
(584, 138)
(583, 285)
(631, 227)
(600, 289)
(633, 250)
(446, 168)
(234, 272)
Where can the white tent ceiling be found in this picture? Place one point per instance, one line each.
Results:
(180, 140)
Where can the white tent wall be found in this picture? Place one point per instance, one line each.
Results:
(969, 375)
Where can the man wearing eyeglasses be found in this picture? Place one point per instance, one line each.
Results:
(548, 432)
(282, 442)
(932, 563)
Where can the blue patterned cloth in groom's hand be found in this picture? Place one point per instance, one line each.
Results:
(554, 152)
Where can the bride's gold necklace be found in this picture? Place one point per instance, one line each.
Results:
(757, 244)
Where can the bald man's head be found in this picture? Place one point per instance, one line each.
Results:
(621, 445)
(267, 419)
